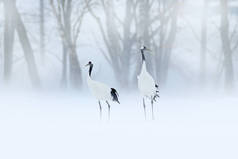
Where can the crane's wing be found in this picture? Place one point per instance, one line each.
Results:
(100, 90)
(146, 84)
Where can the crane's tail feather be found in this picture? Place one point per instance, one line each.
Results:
(156, 93)
(114, 95)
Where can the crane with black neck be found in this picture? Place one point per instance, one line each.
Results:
(146, 84)
(101, 91)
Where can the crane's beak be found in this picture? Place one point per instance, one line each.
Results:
(86, 65)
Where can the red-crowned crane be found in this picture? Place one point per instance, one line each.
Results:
(101, 91)
(146, 84)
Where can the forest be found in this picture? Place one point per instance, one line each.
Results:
(47, 43)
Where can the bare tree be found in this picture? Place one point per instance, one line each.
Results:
(169, 43)
(19, 26)
(9, 34)
(28, 52)
(42, 29)
(157, 29)
(203, 49)
(226, 45)
(118, 44)
(166, 29)
(140, 26)
(70, 27)
(1, 33)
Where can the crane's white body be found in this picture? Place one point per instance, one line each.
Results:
(99, 90)
(146, 83)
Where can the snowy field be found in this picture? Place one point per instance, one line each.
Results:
(67, 126)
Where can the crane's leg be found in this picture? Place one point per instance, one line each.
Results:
(100, 109)
(109, 110)
(144, 108)
(152, 109)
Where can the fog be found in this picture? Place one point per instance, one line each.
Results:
(47, 107)
(195, 53)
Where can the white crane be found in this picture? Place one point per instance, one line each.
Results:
(101, 91)
(146, 84)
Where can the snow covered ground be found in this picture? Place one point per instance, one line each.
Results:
(40, 125)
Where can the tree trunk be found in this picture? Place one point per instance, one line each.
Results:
(75, 75)
(64, 66)
(203, 50)
(159, 55)
(42, 30)
(28, 52)
(228, 64)
(74, 69)
(113, 48)
(169, 44)
(9, 35)
(127, 45)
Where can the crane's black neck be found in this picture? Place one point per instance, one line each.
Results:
(90, 69)
(143, 55)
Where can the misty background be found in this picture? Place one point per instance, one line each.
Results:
(46, 44)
